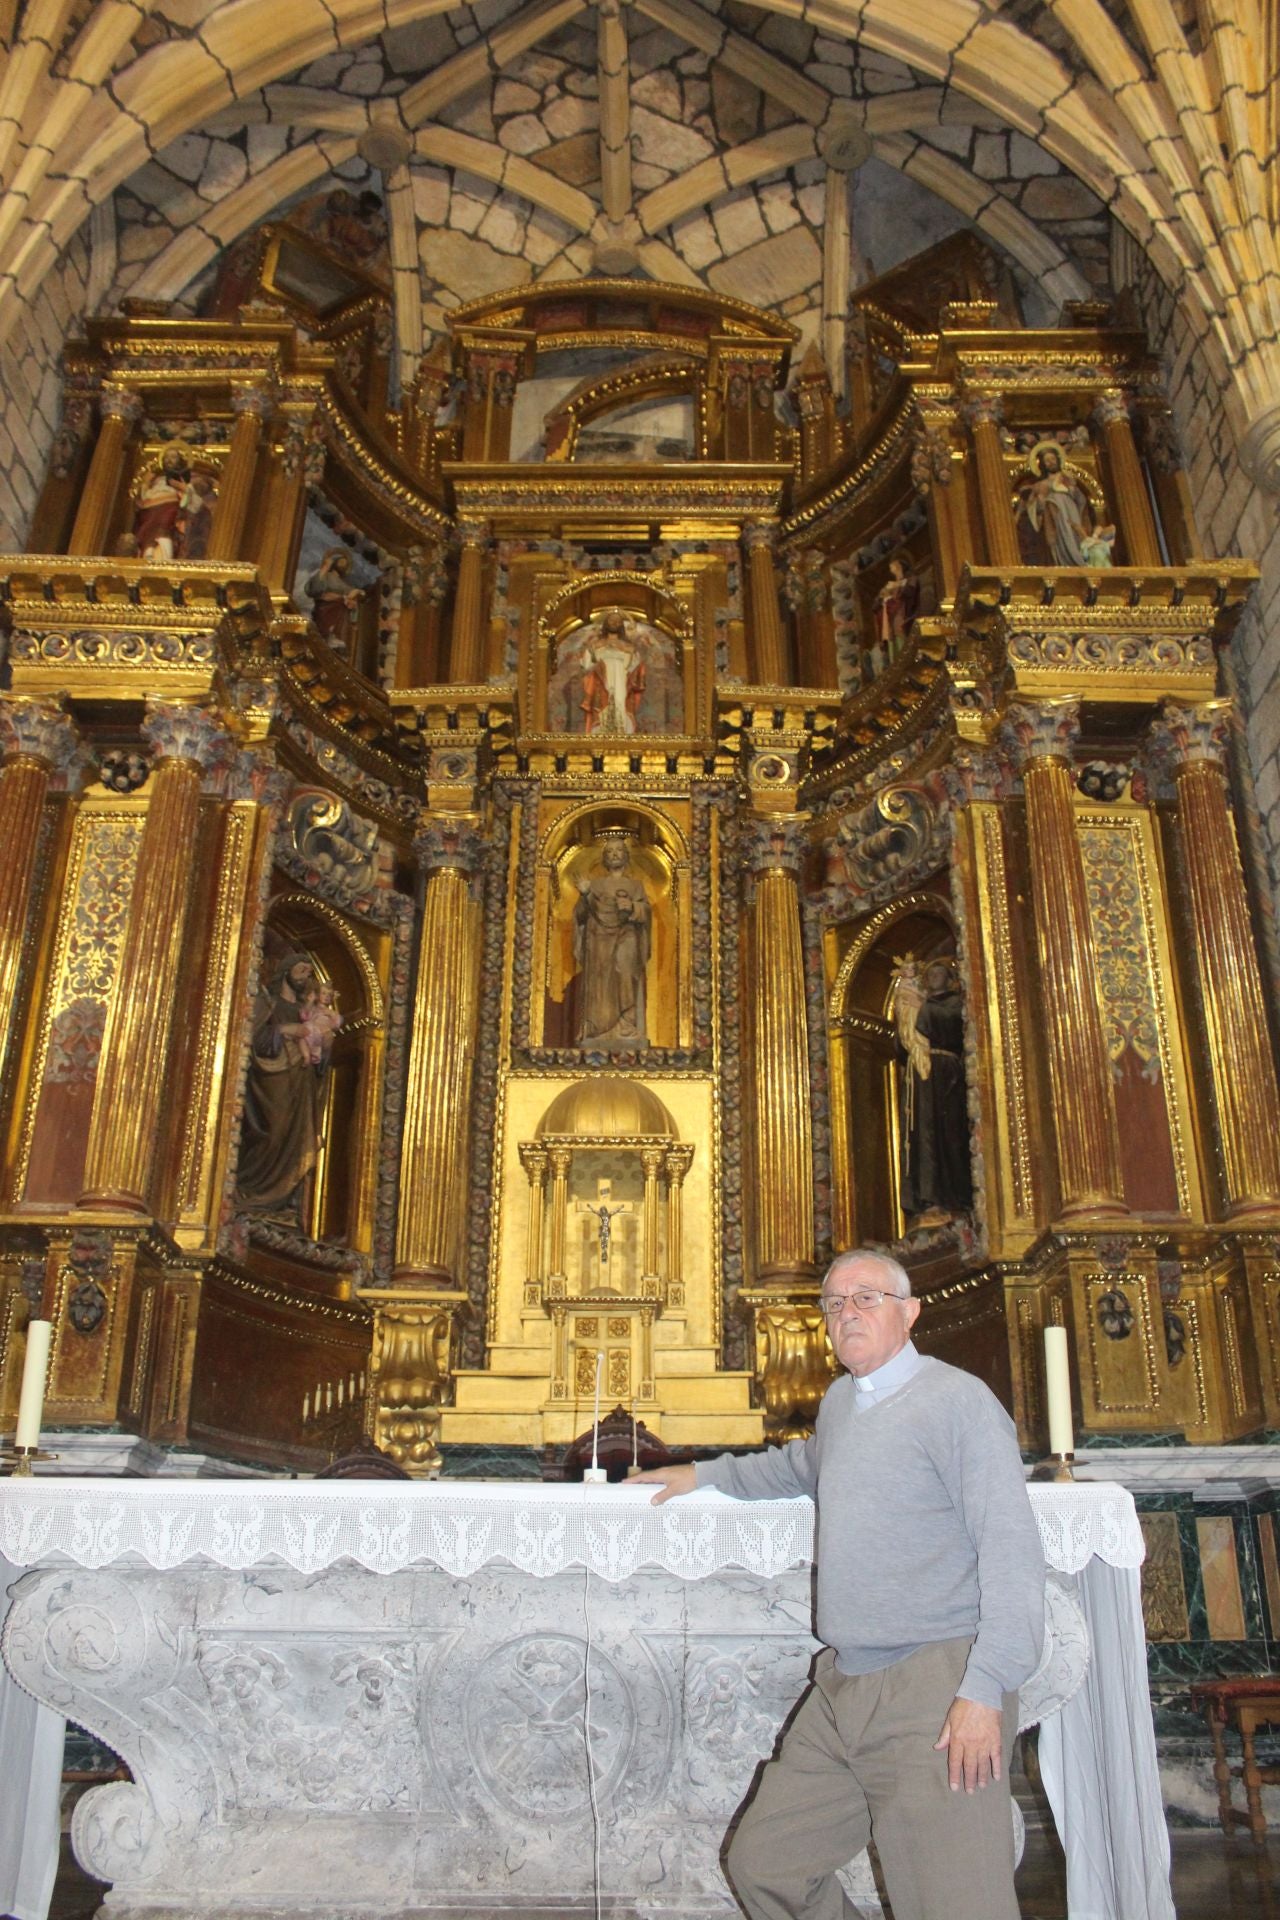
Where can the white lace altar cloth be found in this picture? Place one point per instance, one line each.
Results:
(461, 1526)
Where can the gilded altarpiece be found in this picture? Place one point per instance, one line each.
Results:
(657, 876)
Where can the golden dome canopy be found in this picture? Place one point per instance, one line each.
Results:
(608, 1106)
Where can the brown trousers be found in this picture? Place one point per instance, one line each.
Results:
(858, 1764)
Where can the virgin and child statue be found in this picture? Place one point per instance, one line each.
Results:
(611, 942)
(295, 1017)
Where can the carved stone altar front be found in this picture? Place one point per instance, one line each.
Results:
(341, 1700)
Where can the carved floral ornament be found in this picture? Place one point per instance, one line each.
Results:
(187, 733)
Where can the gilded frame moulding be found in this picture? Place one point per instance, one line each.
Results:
(1136, 823)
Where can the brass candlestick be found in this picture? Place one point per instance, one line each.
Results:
(16, 1461)
(1056, 1466)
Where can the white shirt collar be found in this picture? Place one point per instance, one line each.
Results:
(893, 1374)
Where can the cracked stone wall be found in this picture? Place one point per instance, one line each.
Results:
(1235, 520)
(31, 385)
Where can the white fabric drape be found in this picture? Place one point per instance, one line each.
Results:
(1098, 1763)
(31, 1739)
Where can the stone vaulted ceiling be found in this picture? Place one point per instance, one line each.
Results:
(702, 141)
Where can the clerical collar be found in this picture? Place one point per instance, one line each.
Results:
(893, 1374)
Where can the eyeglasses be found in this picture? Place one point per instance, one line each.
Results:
(866, 1300)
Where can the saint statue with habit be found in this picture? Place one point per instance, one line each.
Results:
(611, 940)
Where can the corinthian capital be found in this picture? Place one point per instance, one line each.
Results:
(444, 844)
(37, 730)
(1183, 735)
(1041, 730)
(774, 845)
(187, 733)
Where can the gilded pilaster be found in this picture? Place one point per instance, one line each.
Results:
(466, 651)
(438, 1098)
(651, 1160)
(1242, 1074)
(1088, 1141)
(768, 641)
(783, 1122)
(1133, 508)
(129, 1093)
(251, 406)
(679, 1160)
(535, 1162)
(984, 417)
(561, 1161)
(38, 738)
(284, 505)
(120, 409)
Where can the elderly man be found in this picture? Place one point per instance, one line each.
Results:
(931, 1607)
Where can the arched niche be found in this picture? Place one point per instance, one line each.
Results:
(583, 945)
(886, 960)
(645, 689)
(320, 1108)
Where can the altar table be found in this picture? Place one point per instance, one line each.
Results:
(346, 1698)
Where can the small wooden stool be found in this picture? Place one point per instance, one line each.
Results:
(1246, 1705)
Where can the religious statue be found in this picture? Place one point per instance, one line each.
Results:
(612, 680)
(295, 1018)
(1055, 520)
(936, 1175)
(611, 941)
(895, 608)
(173, 511)
(334, 598)
(616, 675)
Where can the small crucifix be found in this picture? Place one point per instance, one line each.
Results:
(603, 1211)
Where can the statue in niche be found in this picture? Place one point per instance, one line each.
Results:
(616, 676)
(895, 608)
(295, 1018)
(611, 942)
(173, 510)
(934, 1166)
(335, 599)
(1055, 520)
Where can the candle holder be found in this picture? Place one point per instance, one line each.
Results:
(16, 1461)
(1056, 1466)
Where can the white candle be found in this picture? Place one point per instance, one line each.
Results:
(595, 1471)
(1057, 1376)
(34, 1370)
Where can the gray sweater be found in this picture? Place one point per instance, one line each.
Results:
(924, 1526)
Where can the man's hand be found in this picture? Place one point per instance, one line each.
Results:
(672, 1480)
(972, 1737)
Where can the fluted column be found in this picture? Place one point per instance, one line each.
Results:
(783, 1122)
(251, 405)
(535, 1161)
(433, 1160)
(768, 641)
(1242, 1070)
(984, 416)
(128, 1098)
(120, 409)
(1133, 509)
(679, 1160)
(466, 648)
(1080, 1078)
(37, 739)
(651, 1160)
(561, 1161)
